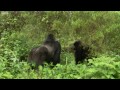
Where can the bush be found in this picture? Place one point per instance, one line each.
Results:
(21, 31)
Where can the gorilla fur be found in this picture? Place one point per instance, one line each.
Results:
(81, 52)
(49, 51)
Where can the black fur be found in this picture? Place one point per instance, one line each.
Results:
(81, 52)
(50, 52)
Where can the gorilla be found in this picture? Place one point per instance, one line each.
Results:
(81, 52)
(49, 51)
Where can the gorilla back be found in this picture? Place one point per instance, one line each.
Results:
(50, 52)
(54, 49)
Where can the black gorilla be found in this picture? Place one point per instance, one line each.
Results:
(50, 52)
(81, 52)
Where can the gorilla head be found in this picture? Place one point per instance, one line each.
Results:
(49, 51)
(77, 45)
(50, 38)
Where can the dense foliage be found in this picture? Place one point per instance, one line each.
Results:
(21, 31)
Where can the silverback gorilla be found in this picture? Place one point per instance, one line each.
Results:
(50, 52)
(81, 52)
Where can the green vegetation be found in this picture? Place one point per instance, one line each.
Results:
(21, 31)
